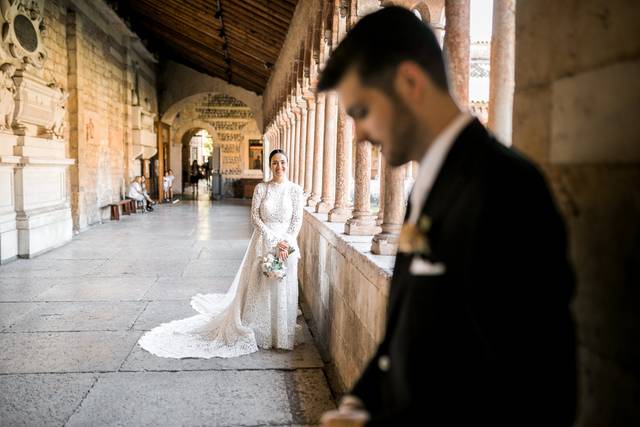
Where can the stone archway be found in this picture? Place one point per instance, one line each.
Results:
(232, 125)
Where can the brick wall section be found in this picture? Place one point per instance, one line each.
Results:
(575, 113)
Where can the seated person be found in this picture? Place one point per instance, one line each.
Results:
(136, 193)
(150, 201)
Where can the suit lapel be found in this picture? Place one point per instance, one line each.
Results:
(448, 187)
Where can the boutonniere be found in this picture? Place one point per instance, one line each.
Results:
(413, 238)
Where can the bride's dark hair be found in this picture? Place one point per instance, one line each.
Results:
(278, 151)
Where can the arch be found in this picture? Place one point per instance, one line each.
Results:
(181, 131)
(170, 114)
(181, 82)
(423, 11)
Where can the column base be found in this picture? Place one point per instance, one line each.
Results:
(379, 221)
(324, 207)
(40, 231)
(361, 226)
(313, 201)
(8, 238)
(340, 214)
(384, 244)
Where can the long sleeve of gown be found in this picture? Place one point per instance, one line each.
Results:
(296, 215)
(267, 235)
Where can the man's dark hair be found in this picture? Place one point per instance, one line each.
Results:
(378, 43)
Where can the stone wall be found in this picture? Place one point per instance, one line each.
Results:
(575, 113)
(111, 84)
(344, 290)
(78, 102)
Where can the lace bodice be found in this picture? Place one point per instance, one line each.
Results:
(276, 211)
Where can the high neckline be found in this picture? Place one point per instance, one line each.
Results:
(278, 183)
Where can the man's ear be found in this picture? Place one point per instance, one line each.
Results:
(410, 82)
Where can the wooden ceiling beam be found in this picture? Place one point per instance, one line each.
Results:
(272, 8)
(158, 11)
(233, 17)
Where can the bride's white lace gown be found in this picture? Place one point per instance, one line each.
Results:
(256, 312)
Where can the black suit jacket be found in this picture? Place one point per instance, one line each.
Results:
(492, 339)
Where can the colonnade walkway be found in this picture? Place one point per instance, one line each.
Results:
(70, 320)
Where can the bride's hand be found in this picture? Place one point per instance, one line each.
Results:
(284, 254)
(283, 245)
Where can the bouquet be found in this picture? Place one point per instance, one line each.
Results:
(273, 267)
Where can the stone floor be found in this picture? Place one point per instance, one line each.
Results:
(70, 320)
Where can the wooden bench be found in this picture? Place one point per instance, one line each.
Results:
(128, 206)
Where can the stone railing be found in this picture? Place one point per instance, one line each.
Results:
(344, 290)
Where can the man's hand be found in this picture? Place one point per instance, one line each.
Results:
(346, 419)
(350, 413)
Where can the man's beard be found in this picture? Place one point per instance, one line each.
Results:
(405, 134)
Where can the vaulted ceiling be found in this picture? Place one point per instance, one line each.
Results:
(235, 40)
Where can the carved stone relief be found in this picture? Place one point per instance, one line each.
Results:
(22, 29)
(7, 95)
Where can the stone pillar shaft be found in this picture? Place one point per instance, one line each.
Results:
(329, 158)
(502, 72)
(362, 222)
(296, 145)
(456, 47)
(341, 212)
(386, 242)
(318, 152)
(311, 132)
(302, 145)
(380, 218)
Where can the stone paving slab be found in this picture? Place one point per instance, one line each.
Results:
(41, 399)
(304, 355)
(228, 253)
(309, 395)
(144, 267)
(221, 245)
(11, 312)
(79, 316)
(23, 288)
(81, 250)
(99, 289)
(48, 268)
(169, 288)
(64, 351)
(212, 268)
(158, 312)
(212, 398)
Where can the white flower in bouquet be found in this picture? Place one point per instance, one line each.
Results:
(273, 267)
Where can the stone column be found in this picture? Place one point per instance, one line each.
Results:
(329, 159)
(302, 143)
(318, 148)
(362, 222)
(502, 73)
(290, 133)
(341, 211)
(386, 242)
(311, 132)
(456, 47)
(292, 138)
(380, 218)
(294, 164)
(350, 131)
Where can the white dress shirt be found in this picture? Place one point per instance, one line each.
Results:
(431, 164)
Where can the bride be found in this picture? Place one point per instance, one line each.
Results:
(257, 311)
